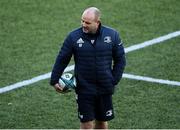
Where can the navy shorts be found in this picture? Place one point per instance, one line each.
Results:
(95, 107)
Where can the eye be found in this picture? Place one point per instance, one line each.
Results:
(85, 22)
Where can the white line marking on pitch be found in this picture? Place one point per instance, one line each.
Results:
(149, 79)
(153, 41)
(31, 81)
(128, 49)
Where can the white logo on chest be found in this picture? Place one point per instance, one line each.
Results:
(107, 39)
(79, 42)
(92, 41)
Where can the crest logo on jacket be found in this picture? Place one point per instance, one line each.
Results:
(107, 39)
(80, 41)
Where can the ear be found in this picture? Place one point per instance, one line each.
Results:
(98, 22)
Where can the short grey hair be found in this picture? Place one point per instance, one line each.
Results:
(96, 11)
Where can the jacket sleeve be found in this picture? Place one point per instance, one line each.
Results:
(119, 60)
(62, 60)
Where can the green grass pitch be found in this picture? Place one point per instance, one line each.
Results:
(31, 33)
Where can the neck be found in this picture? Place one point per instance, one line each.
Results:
(96, 32)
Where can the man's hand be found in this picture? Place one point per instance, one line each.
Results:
(59, 89)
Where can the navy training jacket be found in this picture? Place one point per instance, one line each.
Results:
(99, 60)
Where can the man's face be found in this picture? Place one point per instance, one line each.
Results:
(89, 23)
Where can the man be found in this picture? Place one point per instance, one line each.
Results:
(99, 64)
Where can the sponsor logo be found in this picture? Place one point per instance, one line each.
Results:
(80, 41)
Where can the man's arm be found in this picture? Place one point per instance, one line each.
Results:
(119, 59)
(62, 61)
